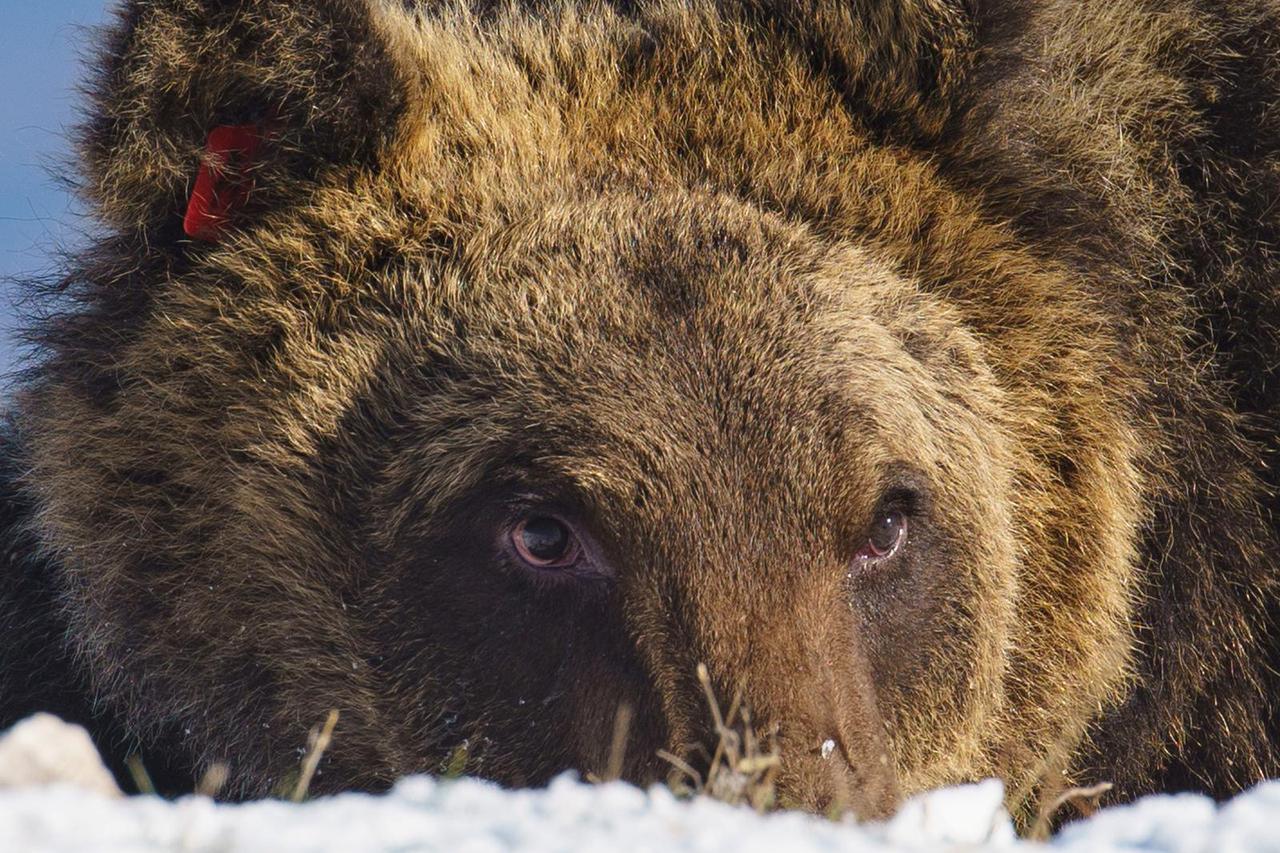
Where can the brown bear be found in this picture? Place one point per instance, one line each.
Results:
(481, 369)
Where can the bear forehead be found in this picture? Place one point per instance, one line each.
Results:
(706, 297)
(741, 354)
(699, 283)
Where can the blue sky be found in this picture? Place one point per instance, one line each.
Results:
(41, 45)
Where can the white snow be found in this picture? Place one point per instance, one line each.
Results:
(467, 815)
(42, 749)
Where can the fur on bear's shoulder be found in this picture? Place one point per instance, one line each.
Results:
(40, 667)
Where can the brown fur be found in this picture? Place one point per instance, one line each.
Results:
(714, 279)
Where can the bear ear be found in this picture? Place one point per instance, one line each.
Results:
(899, 63)
(204, 111)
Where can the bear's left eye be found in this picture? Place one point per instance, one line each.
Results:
(544, 542)
(887, 534)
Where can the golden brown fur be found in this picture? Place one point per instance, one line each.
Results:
(715, 279)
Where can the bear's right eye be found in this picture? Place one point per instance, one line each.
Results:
(886, 537)
(889, 530)
(543, 542)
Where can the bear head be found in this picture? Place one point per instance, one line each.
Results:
(527, 385)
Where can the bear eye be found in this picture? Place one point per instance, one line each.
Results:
(888, 533)
(544, 542)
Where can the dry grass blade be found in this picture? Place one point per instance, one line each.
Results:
(138, 772)
(683, 767)
(618, 743)
(742, 768)
(319, 742)
(1085, 801)
(455, 764)
(213, 780)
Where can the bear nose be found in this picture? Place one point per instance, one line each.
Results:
(825, 751)
(832, 746)
(829, 776)
(807, 690)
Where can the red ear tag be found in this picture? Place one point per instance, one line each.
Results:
(224, 181)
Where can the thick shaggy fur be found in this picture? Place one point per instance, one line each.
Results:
(720, 283)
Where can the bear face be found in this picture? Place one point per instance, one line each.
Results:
(520, 383)
(658, 464)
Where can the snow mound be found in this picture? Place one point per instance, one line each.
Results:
(470, 816)
(42, 749)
